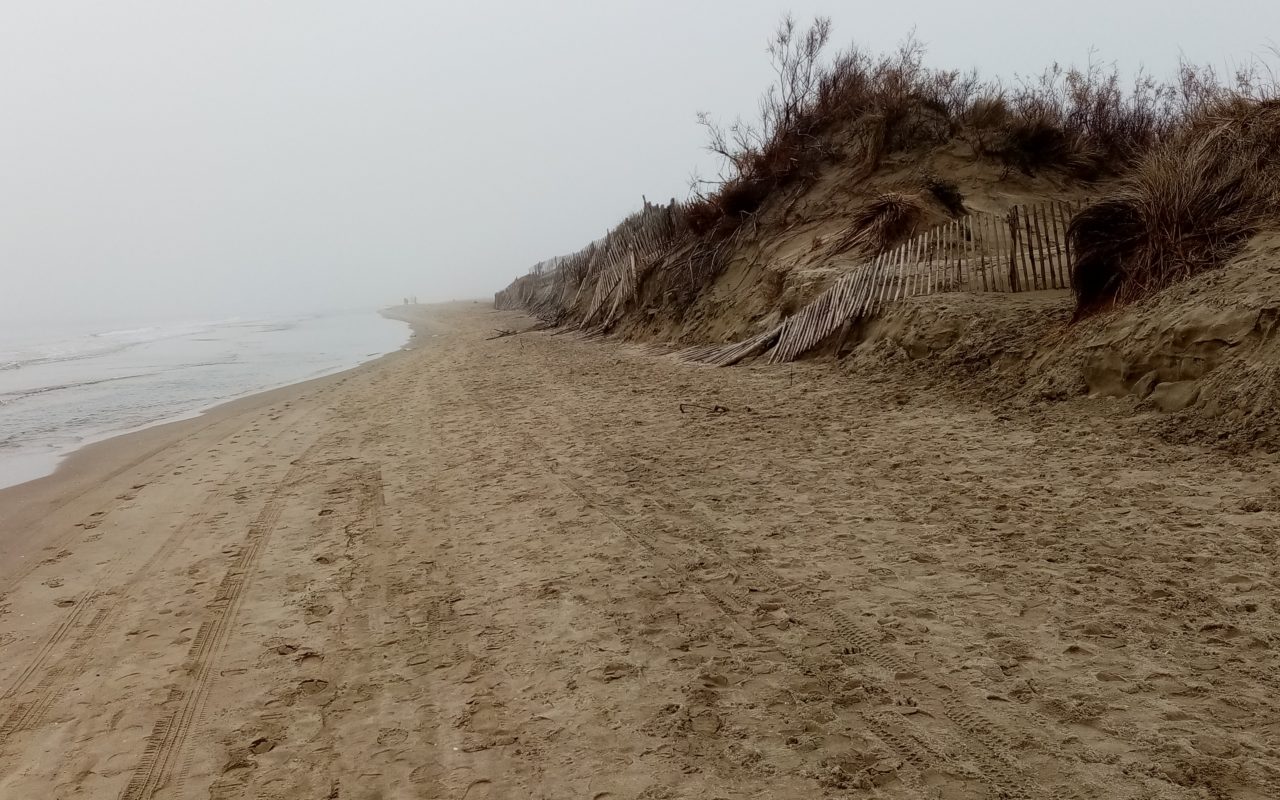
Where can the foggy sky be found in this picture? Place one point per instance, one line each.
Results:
(235, 158)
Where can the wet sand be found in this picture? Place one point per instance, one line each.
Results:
(521, 568)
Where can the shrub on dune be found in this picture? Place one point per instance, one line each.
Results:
(1185, 207)
(888, 218)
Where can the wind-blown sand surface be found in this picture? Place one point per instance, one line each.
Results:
(514, 568)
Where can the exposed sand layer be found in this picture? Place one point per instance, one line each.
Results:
(519, 568)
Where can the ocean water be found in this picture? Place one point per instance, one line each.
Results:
(64, 386)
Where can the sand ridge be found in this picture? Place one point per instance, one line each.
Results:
(518, 568)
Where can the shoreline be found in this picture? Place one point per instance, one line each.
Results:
(29, 465)
(101, 460)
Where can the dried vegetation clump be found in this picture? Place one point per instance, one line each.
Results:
(1186, 206)
(887, 219)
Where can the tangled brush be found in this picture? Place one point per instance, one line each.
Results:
(1188, 206)
(887, 219)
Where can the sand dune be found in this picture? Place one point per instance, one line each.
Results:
(521, 568)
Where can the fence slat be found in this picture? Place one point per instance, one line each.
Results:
(869, 285)
(896, 287)
(942, 258)
(909, 266)
(1064, 214)
(864, 288)
(974, 252)
(896, 283)
(889, 266)
(877, 288)
(1059, 236)
(987, 244)
(955, 248)
(1047, 247)
(913, 265)
(1037, 251)
(942, 263)
(1015, 241)
(998, 265)
(886, 277)
(1041, 248)
(1011, 224)
(1028, 266)
(856, 291)
(929, 270)
(1028, 245)
(937, 258)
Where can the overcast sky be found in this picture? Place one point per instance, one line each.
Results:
(236, 158)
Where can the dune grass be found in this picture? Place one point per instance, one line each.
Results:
(1186, 206)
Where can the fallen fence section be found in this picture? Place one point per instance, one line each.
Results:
(601, 279)
(1024, 250)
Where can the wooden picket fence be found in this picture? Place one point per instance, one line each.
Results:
(625, 260)
(603, 277)
(1025, 250)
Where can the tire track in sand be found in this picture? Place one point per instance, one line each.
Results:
(57, 672)
(982, 743)
(974, 741)
(56, 676)
(917, 757)
(357, 518)
(169, 734)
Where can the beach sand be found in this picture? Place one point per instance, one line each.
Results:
(520, 567)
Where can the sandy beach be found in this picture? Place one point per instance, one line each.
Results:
(536, 566)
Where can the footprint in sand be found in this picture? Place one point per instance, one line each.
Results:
(426, 773)
(614, 670)
(392, 736)
(261, 745)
